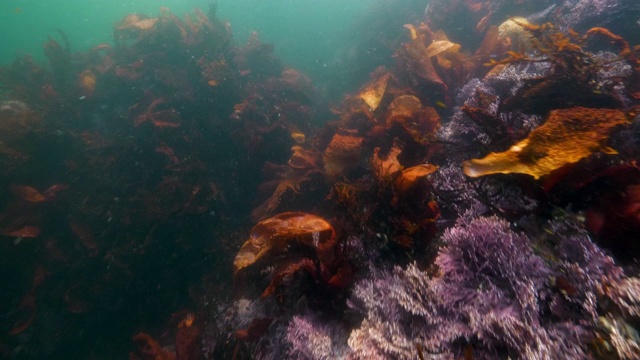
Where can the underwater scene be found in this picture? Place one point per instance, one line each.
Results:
(320, 179)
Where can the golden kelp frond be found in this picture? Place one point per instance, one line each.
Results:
(422, 32)
(198, 21)
(342, 153)
(413, 56)
(413, 33)
(567, 136)
(409, 176)
(133, 26)
(274, 234)
(524, 37)
(386, 167)
(87, 82)
(446, 52)
(555, 44)
(440, 35)
(625, 49)
(573, 71)
(403, 106)
(373, 92)
(441, 46)
(419, 122)
(297, 135)
(136, 21)
(303, 158)
(516, 31)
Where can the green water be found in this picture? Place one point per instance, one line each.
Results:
(306, 33)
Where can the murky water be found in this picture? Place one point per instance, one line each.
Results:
(319, 179)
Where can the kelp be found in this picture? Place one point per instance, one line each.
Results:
(567, 136)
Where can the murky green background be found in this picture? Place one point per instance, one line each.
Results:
(306, 33)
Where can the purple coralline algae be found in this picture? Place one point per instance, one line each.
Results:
(491, 295)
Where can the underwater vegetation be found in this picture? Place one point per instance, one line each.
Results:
(478, 197)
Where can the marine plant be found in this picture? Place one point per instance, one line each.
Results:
(446, 209)
(488, 296)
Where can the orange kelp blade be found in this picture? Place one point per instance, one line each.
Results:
(272, 235)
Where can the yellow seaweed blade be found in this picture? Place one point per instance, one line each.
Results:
(440, 46)
(272, 236)
(373, 92)
(567, 136)
(413, 33)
